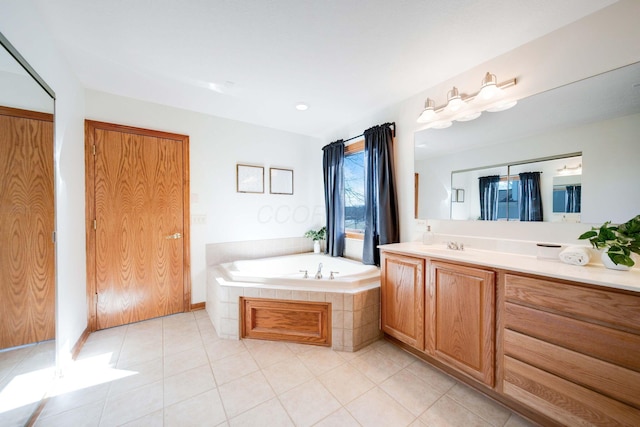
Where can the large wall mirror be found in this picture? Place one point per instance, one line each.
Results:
(591, 126)
(27, 223)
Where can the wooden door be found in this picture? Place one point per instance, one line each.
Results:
(27, 252)
(461, 318)
(140, 224)
(402, 298)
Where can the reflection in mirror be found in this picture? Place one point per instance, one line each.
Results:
(598, 117)
(497, 193)
(27, 258)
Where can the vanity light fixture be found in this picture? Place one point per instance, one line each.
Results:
(571, 170)
(463, 108)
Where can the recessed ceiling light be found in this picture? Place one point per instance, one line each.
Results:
(301, 106)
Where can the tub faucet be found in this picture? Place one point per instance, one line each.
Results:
(319, 273)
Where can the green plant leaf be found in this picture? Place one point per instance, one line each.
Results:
(588, 235)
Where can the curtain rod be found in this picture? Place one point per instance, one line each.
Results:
(362, 134)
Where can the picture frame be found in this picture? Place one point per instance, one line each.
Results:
(249, 179)
(280, 181)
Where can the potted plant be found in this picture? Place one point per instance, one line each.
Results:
(618, 242)
(316, 235)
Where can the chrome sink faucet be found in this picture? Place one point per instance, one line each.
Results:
(455, 246)
(319, 273)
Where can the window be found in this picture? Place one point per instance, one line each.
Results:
(508, 208)
(354, 189)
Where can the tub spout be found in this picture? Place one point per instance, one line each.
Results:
(319, 273)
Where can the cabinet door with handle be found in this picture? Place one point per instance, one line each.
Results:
(402, 298)
(460, 318)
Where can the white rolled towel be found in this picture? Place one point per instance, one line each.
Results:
(575, 255)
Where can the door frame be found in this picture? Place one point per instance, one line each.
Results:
(89, 138)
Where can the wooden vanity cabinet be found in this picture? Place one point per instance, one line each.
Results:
(402, 298)
(450, 316)
(460, 319)
(571, 352)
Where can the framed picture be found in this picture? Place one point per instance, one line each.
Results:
(280, 181)
(249, 179)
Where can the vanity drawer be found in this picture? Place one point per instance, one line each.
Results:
(611, 345)
(562, 400)
(604, 377)
(615, 309)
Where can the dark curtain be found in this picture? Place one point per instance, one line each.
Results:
(572, 198)
(489, 197)
(530, 197)
(380, 199)
(332, 163)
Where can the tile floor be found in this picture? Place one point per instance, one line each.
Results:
(175, 371)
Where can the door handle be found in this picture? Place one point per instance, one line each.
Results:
(173, 236)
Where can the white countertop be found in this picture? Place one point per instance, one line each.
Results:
(594, 274)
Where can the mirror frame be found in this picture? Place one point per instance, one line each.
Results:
(24, 64)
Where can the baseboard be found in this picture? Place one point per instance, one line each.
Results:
(78, 345)
(198, 306)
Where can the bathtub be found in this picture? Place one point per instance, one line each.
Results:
(289, 272)
(353, 294)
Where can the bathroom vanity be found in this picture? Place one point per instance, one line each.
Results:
(558, 343)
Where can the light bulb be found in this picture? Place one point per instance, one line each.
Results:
(428, 114)
(454, 102)
(501, 106)
(468, 117)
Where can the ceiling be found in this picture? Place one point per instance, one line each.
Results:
(254, 60)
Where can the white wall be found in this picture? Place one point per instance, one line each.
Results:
(26, 31)
(216, 146)
(600, 42)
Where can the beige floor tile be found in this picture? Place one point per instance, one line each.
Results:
(350, 355)
(188, 384)
(320, 360)
(268, 353)
(299, 348)
(82, 416)
(185, 360)
(286, 375)
(180, 343)
(135, 354)
(233, 367)
(74, 399)
(376, 408)
(153, 419)
(447, 413)
(223, 348)
(309, 403)
(396, 354)
(340, 418)
(268, 414)
(136, 376)
(245, 393)
(17, 417)
(132, 405)
(375, 366)
(492, 412)
(346, 383)
(411, 392)
(437, 379)
(201, 410)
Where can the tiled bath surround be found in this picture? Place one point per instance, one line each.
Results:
(355, 316)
